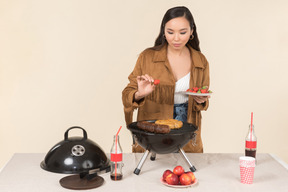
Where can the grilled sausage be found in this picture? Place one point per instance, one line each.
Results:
(162, 129)
(152, 127)
(149, 126)
(146, 126)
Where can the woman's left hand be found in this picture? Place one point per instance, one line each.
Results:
(201, 99)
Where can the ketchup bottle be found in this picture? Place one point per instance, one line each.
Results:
(251, 141)
(116, 160)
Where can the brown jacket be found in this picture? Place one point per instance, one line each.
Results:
(160, 103)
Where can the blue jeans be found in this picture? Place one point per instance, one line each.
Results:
(180, 112)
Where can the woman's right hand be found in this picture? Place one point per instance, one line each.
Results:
(145, 86)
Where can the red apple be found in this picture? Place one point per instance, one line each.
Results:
(191, 174)
(166, 173)
(178, 170)
(185, 179)
(172, 179)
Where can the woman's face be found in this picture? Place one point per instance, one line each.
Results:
(177, 32)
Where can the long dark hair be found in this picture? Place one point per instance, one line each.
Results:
(174, 13)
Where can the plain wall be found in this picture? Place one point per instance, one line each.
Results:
(65, 63)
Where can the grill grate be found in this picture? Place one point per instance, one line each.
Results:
(186, 128)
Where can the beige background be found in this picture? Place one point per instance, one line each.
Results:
(66, 62)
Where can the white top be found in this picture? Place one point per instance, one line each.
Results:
(181, 85)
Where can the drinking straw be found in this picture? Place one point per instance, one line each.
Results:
(251, 126)
(116, 151)
(118, 131)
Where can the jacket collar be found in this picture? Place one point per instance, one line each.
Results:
(161, 56)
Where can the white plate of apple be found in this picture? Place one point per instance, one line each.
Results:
(178, 178)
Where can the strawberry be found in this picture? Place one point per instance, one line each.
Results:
(156, 81)
(195, 89)
(204, 91)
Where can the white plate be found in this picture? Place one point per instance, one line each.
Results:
(179, 186)
(195, 94)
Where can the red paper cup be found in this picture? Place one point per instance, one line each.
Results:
(247, 166)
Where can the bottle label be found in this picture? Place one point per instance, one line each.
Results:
(116, 157)
(251, 144)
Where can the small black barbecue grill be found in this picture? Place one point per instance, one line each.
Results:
(163, 143)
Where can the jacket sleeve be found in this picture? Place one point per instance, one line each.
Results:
(205, 82)
(129, 91)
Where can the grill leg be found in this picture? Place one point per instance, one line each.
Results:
(153, 156)
(192, 168)
(140, 164)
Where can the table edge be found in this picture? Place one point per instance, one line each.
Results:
(280, 161)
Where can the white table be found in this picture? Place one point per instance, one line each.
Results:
(215, 172)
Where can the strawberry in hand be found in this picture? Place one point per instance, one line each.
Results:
(156, 81)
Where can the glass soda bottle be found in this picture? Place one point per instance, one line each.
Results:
(116, 160)
(251, 142)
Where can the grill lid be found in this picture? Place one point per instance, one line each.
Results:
(76, 155)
